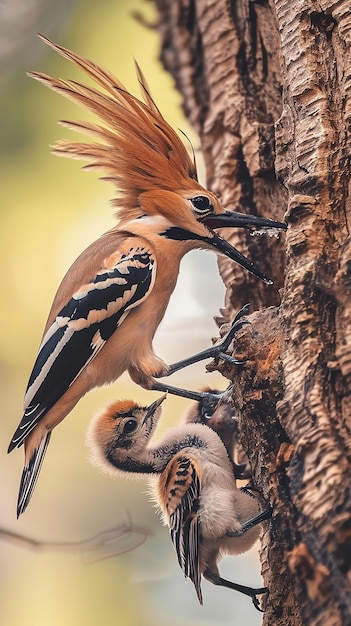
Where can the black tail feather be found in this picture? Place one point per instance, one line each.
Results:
(30, 475)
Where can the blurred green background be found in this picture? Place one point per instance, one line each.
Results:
(50, 211)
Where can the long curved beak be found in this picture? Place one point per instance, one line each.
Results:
(151, 409)
(233, 219)
(228, 250)
(218, 243)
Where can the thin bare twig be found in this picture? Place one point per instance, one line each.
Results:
(93, 544)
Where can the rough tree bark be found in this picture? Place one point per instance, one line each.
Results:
(267, 87)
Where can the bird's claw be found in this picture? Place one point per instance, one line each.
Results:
(230, 359)
(255, 600)
(237, 324)
(209, 403)
(248, 489)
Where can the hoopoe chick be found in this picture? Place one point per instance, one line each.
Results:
(113, 298)
(221, 419)
(192, 482)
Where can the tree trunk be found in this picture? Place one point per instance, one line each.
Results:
(267, 87)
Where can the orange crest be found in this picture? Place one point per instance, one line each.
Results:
(135, 148)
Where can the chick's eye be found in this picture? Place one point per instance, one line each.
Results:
(201, 204)
(130, 426)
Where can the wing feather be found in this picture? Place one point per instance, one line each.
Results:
(180, 494)
(81, 329)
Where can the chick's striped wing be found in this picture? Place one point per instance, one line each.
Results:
(82, 328)
(180, 495)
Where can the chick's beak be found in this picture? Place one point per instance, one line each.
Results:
(150, 411)
(233, 219)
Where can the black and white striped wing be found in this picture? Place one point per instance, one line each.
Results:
(82, 328)
(180, 492)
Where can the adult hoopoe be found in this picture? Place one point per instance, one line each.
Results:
(113, 297)
(192, 482)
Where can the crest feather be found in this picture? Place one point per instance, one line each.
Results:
(134, 148)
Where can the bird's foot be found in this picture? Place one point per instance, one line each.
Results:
(219, 350)
(216, 352)
(255, 600)
(253, 521)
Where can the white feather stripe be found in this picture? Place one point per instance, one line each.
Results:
(32, 390)
(109, 282)
(96, 316)
(120, 305)
(97, 343)
(59, 322)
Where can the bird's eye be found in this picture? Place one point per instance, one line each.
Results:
(201, 204)
(130, 426)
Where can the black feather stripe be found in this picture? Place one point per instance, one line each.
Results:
(30, 475)
(185, 524)
(81, 329)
